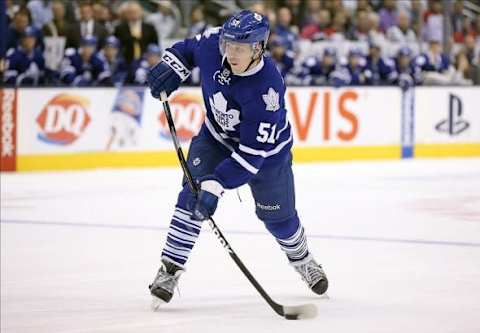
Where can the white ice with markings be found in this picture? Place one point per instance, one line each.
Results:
(399, 241)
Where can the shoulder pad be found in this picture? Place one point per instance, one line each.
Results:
(70, 52)
(310, 61)
(421, 59)
(211, 31)
(10, 51)
(389, 62)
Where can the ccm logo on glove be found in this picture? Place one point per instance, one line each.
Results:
(171, 60)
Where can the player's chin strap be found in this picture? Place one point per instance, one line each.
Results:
(262, 51)
(288, 312)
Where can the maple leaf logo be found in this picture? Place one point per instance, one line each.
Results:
(272, 100)
(227, 119)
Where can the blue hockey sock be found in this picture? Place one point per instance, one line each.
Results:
(290, 235)
(182, 233)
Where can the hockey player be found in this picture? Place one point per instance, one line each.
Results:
(139, 68)
(84, 67)
(25, 63)
(317, 71)
(283, 57)
(116, 64)
(353, 72)
(434, 60)
(408, 73)
(379, 70)
(245, 139)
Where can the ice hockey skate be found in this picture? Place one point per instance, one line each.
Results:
(163, 287)
(313, 274)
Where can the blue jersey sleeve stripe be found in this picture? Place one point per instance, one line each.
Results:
(250, 168)
(283, 129)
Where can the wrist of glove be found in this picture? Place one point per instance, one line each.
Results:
(210, 191)
(168, 73)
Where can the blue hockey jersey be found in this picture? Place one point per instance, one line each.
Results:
(74, 71)
(138, 72)
(24, 68)
(285, 64)
(118, 68)
(314, 72)
(380, 71)
(245, 113)
(432, 63)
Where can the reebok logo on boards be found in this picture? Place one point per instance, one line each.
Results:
(454, 124)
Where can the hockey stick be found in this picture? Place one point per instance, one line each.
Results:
(289, 312)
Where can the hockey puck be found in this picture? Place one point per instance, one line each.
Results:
(291, 316)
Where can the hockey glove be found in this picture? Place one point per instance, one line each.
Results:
(210, 191)
(168, 73)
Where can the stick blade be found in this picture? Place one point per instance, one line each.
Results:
(306, 311)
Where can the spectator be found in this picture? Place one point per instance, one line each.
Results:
(283, 27)
(320, 29)
(281, 54)
(470, 48)
(379, 70)
(21, 21)
(86, 27)
(299, 11)
(83, 67)
(41, 12)
(474, 72)
(116, 64)
(352, 6)
(339, 25)
(58, 26)
(361, 29)
(166, 20)
(312, 8)
(139, 68)
(433, 21)
(388, 15)
(416, 15)
(134, 34)
(103, 15)
(475, 29)
(401, 32)
(198, 25)
(375, 34)
(334, 6)
(461, 72)
(459, 22)
(11, 9)
(408, 74)
(25, 64)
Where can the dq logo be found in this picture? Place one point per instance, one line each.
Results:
(188, 115)
(64, 119)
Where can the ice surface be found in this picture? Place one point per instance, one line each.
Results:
(399, 240)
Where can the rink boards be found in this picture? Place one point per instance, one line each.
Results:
(67, 128)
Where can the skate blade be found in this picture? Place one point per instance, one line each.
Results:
(157, 303)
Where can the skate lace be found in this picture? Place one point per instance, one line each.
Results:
(311, 272)
(167, 281)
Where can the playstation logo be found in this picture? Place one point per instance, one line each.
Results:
(454, 124)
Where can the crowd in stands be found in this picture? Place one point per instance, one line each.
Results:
(313, 42)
